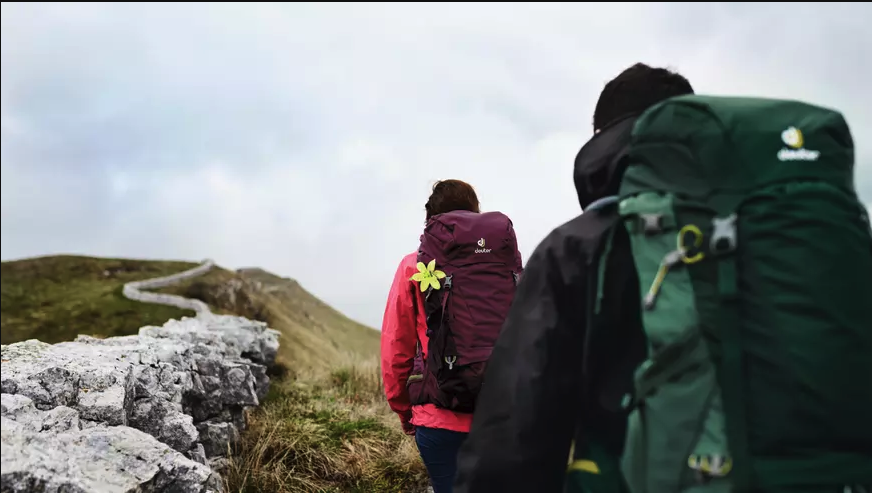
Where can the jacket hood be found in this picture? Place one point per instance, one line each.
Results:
(599, 165)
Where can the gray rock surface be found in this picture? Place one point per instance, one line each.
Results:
(94, 460)
(134, 413)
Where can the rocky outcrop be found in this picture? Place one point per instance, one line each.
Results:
(134, 413)
(49, 452)
(133, 290)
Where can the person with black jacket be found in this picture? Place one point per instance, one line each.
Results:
(550, 383)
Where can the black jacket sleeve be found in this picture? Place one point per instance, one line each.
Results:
(528, 405)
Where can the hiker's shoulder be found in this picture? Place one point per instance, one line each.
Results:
(575, 238)
(409, 260)
(583, 229)
(408, 264)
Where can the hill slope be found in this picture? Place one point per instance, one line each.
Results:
(323, 427)
(56, 298)
(314, 335)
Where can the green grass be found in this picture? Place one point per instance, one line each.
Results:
(325, 426)
(55, 299)
(328, 433)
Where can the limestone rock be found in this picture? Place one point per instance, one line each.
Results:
(215, 436)
(104, 459)
(133, 413)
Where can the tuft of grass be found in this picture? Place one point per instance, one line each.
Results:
(327, 432)
(54, 299)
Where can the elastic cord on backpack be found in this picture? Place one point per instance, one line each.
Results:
(602, 203)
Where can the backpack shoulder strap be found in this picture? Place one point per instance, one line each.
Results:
(593, 460)
(606, 207)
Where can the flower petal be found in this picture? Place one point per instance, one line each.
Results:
(421, 267)
(439, 274)
(418, 276)
(431, 265)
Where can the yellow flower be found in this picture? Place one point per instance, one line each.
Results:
(428, 276)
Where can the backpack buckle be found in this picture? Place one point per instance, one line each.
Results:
(724, 237)
(651, 223)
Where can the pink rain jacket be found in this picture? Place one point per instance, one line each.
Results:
(402, 327)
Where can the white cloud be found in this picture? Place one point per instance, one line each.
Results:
(304, 138)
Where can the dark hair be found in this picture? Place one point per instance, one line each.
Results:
(635, 90)
(451, 195)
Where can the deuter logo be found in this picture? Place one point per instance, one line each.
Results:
(481, 248)
(793, 139)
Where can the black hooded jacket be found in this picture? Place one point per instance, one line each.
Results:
(551, 376)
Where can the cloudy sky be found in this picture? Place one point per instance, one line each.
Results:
(304, 138)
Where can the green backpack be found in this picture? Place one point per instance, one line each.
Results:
(754, 256)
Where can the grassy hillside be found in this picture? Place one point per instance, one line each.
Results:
(56, 298)
(324, 427)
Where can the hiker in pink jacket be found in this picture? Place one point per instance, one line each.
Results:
(432, 384)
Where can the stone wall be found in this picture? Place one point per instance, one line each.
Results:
(133, 290)
(149, 412)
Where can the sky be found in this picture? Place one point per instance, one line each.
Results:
(304, 138)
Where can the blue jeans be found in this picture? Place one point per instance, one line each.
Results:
(439, 450)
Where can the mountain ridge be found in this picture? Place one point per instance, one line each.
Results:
(55, 298)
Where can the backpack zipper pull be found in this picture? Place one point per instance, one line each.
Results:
(670, 260)
(450, 360)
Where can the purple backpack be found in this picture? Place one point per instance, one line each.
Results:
(471, 267)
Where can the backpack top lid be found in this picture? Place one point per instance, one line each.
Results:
(468, 237)
(705, 145)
